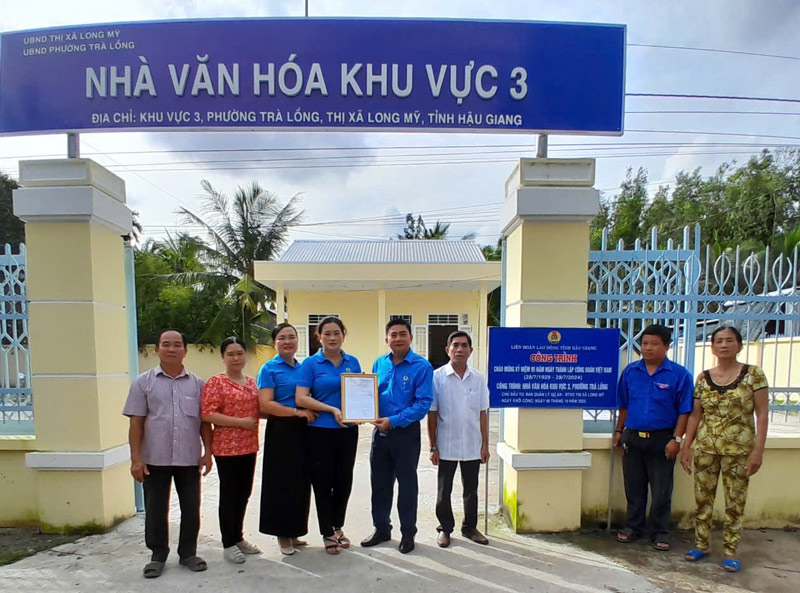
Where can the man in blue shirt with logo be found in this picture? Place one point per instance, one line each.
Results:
(654, 398)
(405, 389)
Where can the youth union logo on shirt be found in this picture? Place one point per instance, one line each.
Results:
(405, 378)
(347, 369)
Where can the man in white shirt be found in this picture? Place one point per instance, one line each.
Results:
(458, 429)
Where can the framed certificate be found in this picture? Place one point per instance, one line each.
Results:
(359, 397)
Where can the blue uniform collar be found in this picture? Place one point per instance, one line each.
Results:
(320, 357)
(279, 360)
(410, 357)
(666, 365)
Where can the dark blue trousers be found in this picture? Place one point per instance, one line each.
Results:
(395, 455)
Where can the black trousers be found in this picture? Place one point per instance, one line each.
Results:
(645, 465)
(469, 482)
(285, 486)
(395, 455)
(235, 485)
(157, 488)
(331, 457)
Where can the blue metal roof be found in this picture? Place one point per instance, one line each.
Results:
(384, 251)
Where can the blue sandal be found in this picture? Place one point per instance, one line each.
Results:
(694, 555)
(731, 565)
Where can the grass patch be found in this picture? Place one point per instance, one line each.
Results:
(17, 543)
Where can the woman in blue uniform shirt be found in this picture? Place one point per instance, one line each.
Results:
(331, 444)
(285, 483)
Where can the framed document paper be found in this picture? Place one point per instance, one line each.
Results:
(359, 397)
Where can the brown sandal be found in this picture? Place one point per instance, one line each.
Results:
(343, 540)
(331, 545)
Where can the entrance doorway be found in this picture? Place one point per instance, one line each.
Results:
(439, 327)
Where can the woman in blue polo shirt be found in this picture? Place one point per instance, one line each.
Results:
(285, 484)
(331, 444)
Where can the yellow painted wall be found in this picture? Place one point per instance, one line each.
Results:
(205, 362)
(92, 398)
(774, 356)
(545, 286)
(18, 485)
(68, 276)
(773, 496)
(550, 274)
(359, 312)
(92, 500)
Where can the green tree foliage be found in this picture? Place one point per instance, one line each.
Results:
(251, 226)
(493, 253)
(629, 208)
(756, 203)
(164, 299)
(12, 229)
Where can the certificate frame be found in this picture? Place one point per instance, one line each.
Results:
(347, 377)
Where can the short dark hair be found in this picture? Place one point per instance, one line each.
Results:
(736, 333)
(228, 341)
(325, 321)
(397, 321)
(662, 331)
(279, 328)
(459, 334)
(169, 329)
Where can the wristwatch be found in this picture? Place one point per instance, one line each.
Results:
(434, 449)
(676, 439)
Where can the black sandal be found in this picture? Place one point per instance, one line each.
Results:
(626, 536)
(661, 544)
(153, 569)
(194, 563)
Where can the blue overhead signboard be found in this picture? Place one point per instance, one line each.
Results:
(531, 367)
(338, 74)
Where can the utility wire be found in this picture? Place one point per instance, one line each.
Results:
(428, 163)
(714, 50)
(560, 146)
(723, 97)
(709, 112)
(450, 154)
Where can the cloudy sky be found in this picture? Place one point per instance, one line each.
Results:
(346, 176)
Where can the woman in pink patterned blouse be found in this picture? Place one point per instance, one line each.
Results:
(230, 403)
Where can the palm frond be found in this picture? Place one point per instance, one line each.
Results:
(193, 278)
(222, 247)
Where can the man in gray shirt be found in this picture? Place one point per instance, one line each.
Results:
(165, 439)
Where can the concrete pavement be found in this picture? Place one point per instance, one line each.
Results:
(513, 563)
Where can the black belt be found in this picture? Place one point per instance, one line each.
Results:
(646, 434)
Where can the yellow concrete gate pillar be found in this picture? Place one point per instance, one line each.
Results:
(549, 204)
(74, 212)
